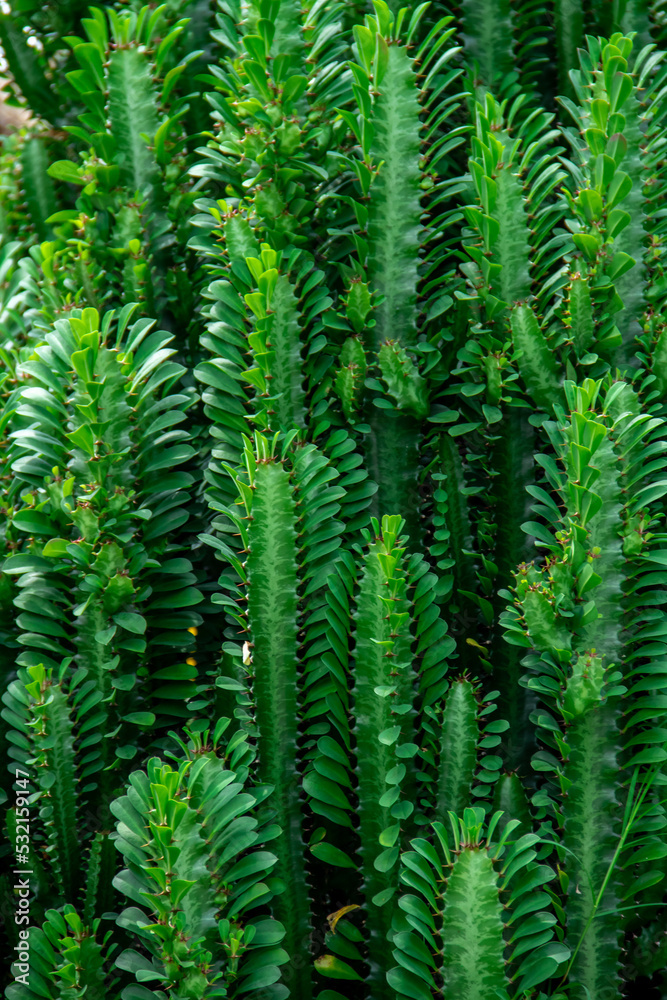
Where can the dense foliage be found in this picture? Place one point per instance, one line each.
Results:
(334, 561)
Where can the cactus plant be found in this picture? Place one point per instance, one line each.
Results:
(332, 492)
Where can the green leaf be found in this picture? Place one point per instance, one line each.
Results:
(335, 968)
(621, 263)
(332, 855)
(56, 547)
(65, 170)
(140, 718)
(33, 522)
(131, 621)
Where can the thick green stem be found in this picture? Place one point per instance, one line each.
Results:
(591, 830)
(384, 719)
(272, 620)
(392, 456)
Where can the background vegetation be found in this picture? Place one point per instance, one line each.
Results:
(332, 623)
